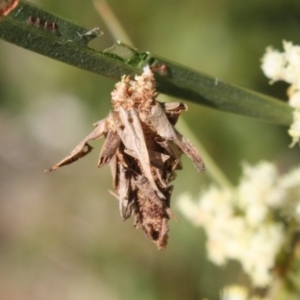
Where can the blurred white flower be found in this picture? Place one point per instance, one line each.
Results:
(258, 191)
(294, 130)
(259, 257)
(214, 203)
(234, 292)
(227, 239)
(292, 57)
(273, 64)
(248, 223)
(286, 66)
(294, 99)
(238, 292)
(190, 209)
(291, 180)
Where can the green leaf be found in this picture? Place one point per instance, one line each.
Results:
(34, 29)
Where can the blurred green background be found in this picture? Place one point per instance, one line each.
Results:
(61, 236)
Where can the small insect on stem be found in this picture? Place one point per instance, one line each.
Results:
(161, 69)
(38, 22)
(31, 20)
(50, 26)
(53, 27)
(47, 25)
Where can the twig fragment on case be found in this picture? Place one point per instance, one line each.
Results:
(143, 150)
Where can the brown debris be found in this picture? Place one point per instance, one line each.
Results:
(143, 150)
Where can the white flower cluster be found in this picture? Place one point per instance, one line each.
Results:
(247, 223)
(286, 66)
(237, 292)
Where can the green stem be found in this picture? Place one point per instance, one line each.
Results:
(215, 93)
(26, 26)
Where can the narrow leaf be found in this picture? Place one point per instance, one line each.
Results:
(34, 29)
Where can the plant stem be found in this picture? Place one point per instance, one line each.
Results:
(213, 170)
(26, 26)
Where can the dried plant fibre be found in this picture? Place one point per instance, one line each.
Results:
(143, 150)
